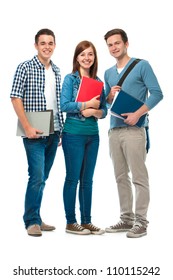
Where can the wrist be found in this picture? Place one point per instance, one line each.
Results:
(108, 99)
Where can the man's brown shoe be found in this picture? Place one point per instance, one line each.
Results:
(45, 227)
(34, 230)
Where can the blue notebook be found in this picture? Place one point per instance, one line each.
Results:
(126, 103)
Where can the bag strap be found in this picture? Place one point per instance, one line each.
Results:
(120, 83)
(128, 71)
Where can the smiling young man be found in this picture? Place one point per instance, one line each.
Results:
(36, 87)
(127, 142)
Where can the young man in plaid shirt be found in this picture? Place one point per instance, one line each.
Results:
(36, 87)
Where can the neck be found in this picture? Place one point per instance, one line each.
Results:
(45, 62)
(85, 72)
(121, 62)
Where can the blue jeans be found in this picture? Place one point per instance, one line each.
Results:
(80, 152)
(40, 155)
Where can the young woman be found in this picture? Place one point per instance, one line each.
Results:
(80, 139)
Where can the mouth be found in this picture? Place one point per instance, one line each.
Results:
(115, 52)
(86, 62)
(47, 52)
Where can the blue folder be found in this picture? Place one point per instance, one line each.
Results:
(126, 103)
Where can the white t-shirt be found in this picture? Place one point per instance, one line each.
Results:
(120, 69)
(50, 94)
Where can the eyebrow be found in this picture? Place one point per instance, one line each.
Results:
(44, 42)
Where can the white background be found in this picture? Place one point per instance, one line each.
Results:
(148, 25)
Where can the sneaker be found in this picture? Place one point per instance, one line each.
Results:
(34, 230)
(77, 229)
(93, 229)
(119, 227)
(45, 227)
(138, 230)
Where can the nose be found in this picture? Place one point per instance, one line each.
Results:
(87, 56)
(47, 46)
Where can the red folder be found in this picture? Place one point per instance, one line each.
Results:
(88, 89)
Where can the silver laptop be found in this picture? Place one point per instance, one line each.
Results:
(42, 120)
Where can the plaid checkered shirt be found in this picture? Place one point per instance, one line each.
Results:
(29, 83)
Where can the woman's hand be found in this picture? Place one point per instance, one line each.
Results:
(93, 103)
(88, 112)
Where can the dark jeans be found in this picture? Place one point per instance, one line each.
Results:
(80, 152)
(40, 155)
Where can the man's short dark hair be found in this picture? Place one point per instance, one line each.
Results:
(117, 31)
(44, 31)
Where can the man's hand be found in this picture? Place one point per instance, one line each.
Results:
(112, 93)
(33, 133)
